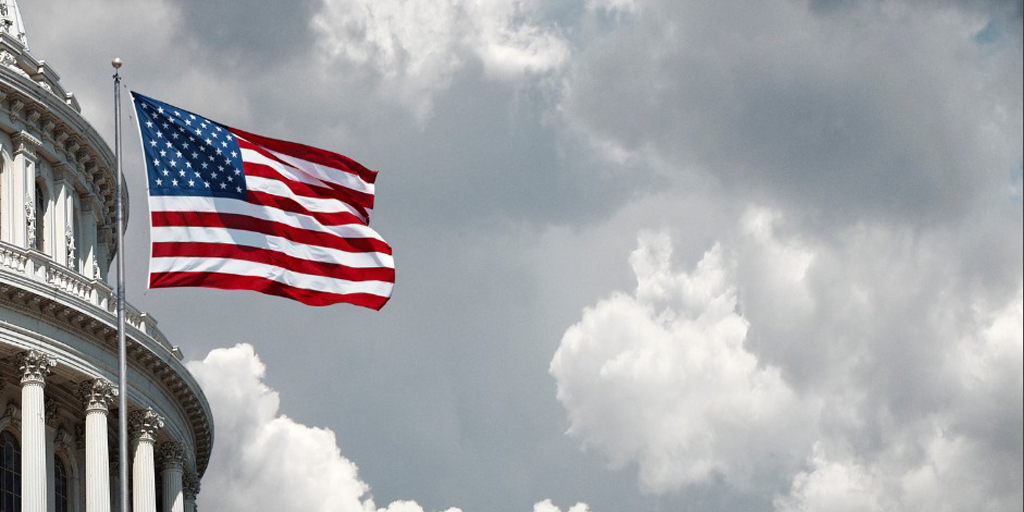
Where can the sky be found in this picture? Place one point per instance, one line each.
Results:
(652, 255)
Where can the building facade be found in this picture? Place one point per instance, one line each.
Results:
(58, 325)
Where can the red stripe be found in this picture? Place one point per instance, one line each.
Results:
(351, 196)
(269, 257)
(293, 206)
(310, 154)
(247, 223)
(267, 286)
(306, 190)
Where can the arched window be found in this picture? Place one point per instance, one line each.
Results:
(10, 473)
(42, 203)
(60, 485)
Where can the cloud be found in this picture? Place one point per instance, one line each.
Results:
(661, 378)
(547, 506)
(263, 460)
(798, 109)
(416, 48)
(871, 370)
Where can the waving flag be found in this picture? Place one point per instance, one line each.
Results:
(234, 210)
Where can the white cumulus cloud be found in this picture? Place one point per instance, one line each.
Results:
(661, 378)
(865, 371)
(263, 460)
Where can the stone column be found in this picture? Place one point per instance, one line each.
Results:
(97, 396)
(172, 460)
(145, 425)
(34, 367)
(191, 488)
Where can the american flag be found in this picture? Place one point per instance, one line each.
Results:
(234, 210)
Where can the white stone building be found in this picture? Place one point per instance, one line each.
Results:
(58, 339)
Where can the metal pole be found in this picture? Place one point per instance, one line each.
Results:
(122, 350)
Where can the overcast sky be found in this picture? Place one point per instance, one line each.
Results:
(651, 255)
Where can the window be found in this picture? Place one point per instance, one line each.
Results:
(10, 473)
(60, 485)
(42, 202)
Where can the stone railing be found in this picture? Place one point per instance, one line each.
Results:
(12, 258)
(42, 272)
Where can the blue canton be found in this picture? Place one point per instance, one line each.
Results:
(187, 154)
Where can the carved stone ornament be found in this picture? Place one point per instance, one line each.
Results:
(63, 439)
(97, 394)
(171, 454)
(12, 413)
(80, 436)
(30, 220)
(50, 412)
(69, 237)
(35, 366)
(145, 424)
(190, 485)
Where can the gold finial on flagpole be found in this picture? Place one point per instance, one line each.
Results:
(116, 63)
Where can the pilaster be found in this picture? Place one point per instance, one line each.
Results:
(23, 179)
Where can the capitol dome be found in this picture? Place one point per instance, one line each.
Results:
(58, 324)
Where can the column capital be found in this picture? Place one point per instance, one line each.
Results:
(190, 484)
(171, 454)
(35, 366)
(145, 424)
(97, 394)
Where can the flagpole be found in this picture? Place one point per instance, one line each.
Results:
(122, 350)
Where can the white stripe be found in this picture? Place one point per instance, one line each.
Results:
(313, 204)
(242, 207)
(308, 170)
(274, 243)
(283, 276)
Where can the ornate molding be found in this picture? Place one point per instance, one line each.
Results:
(145, 424)
(26, 142)
(35, 366)
(97, 394)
